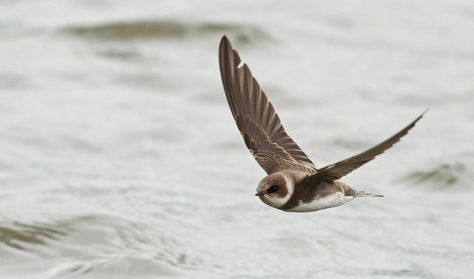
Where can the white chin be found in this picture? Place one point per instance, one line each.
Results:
(276, 201)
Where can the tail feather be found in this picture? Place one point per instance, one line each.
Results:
(365, 194)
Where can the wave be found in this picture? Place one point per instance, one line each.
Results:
(443, 175)
(164, 29)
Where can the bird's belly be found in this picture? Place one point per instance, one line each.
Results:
(333, 200)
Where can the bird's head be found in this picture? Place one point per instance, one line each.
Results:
(276, 189)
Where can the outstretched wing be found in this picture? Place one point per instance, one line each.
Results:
(337, 170)
(256, 119)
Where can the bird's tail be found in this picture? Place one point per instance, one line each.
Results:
(365, 194)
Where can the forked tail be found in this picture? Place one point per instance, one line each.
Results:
(365, 194)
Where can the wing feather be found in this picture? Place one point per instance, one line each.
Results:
(337, 170)
(256, 118)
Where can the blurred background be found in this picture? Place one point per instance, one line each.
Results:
(119, 157)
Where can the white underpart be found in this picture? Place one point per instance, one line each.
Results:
(333, 200)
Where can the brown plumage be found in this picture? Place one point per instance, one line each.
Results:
(256, 119)
(273, 148)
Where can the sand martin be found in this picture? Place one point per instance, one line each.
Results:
(293, 183)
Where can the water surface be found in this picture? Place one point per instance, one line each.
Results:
(120, 158)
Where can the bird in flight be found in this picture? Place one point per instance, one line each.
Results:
(293, 183)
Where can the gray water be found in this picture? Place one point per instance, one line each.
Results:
(119, 157)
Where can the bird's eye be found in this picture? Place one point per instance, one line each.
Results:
(272, 189)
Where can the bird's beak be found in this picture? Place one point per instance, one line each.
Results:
(259, 193)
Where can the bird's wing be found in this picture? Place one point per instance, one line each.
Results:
(337, 170)
(256, 119)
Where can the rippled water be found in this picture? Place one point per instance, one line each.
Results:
(120, 158)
